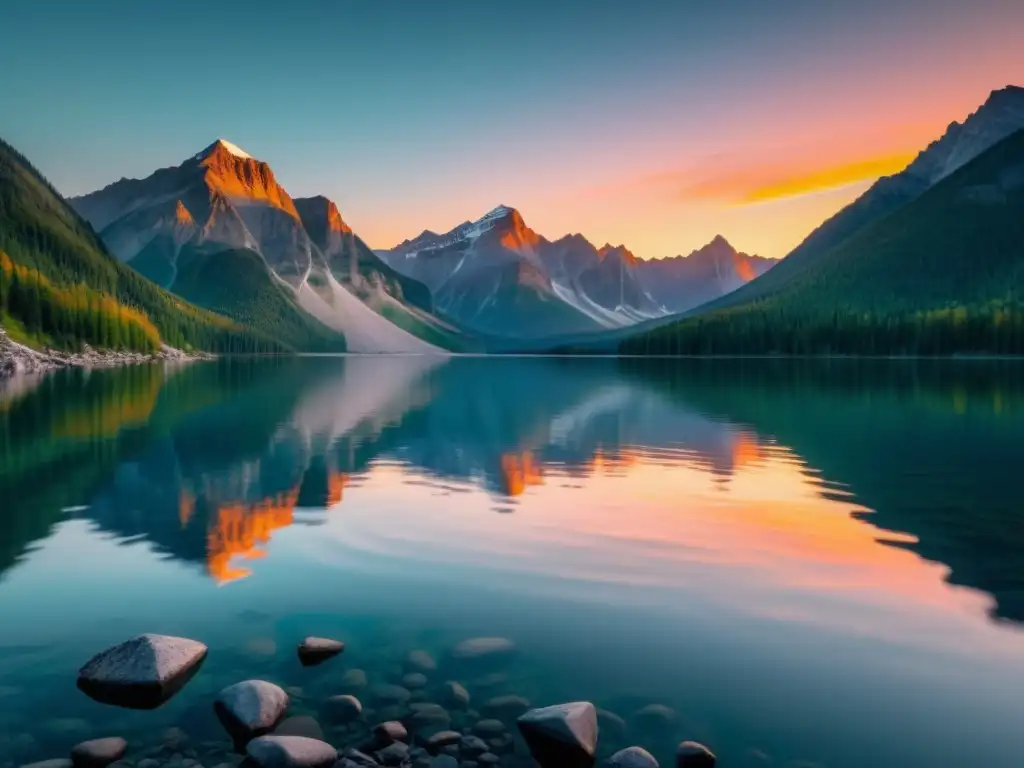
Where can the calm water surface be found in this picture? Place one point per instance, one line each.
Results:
(812, 564)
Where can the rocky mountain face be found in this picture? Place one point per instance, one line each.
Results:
(1000, 116)
(185, 226)
(680, 283)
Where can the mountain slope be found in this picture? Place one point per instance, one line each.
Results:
(680, 283)
(944, 273)
(1001, 115)
(59, 285)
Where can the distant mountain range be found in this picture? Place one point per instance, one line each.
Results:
(498, 276)
(928, 261)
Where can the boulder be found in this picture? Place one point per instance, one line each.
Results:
(610, 724)
(561, 736)
(98, 753)
(420, 661)
(654, 716)
(414, 680)
(436, 741)
(483, 647)
(343, 709)
(633, 757)
(390, 694)
(690, 754)
(505, 707)
(471, 746)
(455, 694)
(317, 650)
(141, 673)
(300, 725)
(290, 752)
(426, 713)
(251, 708)
(357, 758)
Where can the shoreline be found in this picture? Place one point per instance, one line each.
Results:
(18, 359)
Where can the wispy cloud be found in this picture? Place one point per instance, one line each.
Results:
(766, 182)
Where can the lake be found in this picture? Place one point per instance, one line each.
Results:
(803, 563)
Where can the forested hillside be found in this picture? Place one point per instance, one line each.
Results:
(60, 287)
(944, 274)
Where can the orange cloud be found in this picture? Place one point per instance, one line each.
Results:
(767, 182)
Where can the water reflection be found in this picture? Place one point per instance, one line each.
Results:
(207, 462)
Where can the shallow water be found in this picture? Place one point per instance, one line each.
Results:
(811, 563)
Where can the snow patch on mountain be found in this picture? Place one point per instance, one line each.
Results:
(365, 331)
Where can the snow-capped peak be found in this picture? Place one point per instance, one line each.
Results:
(227, 146)
(496, 213)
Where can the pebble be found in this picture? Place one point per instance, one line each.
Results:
(489, 727)
(420, 661)
(98, 753)
(414, 680)
(472, 746)
(317, 650)
(442, 739)
(290, 752)
(480, 647)
(690, 754)
(425, 713)
(633, 757)
(455, 694)
(389, 732)
(343, 709)
(143, 672)
(391, 694)
(393, 754)
(251, 708)
(352, 681)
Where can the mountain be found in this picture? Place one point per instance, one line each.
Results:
(219, 230)
(60, 286)
(1001, 115)
(680, 283)
(942, 274)
(498, 276)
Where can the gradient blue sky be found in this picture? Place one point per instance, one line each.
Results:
(648, 123)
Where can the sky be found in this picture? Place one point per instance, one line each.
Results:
(656, 124)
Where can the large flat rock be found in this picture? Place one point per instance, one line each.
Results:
(141, 673)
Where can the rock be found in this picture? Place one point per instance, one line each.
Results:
(391, 731)
(300, 725)
(455, 694)
(420, 661)
(141, 673)
(57, 762)
(654, 716)
(426, 713)
(562, 736)
(393, 754)
(442, 739)
(444, 761)
(471, 746)
(488, 758)
(250, 708)
(343, 709)
(610, 723)
(493, 680)
(489, 727)
(390, 694)
(317, 650)
(505, 707)
(98, 753)
(358, 758)
(352, 681)
(690, 754)
(414, 680)
(290, 752)
(633, 757)
(481, 647)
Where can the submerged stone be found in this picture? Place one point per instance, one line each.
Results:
(561, 736)
(483, 647)
(98, 753)
(141, 673)
(343, 709)
(420, 661)
(505, 706)
(633, 757)
(300, 725)
(317, 650)
(290, 752)
(391, 731)
(455, 694)
(690, 754)
(250, 708)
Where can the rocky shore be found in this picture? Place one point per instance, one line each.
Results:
(17, 359)
(425, 719)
